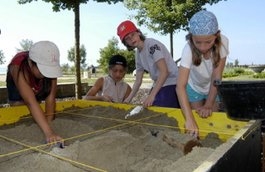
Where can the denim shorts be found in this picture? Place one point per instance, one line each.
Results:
(194, 96)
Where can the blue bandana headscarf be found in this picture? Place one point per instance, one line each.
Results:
(203, 23)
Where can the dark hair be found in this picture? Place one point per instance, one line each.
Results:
(24, 66)
(44, 84)
(130, 48)
(197, 55)
(118, 60)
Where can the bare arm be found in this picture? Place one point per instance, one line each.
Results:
(33, 105)
(128, 91)
(50, 101)
(136, 85)
(162, 67)
(92, 93)
(209, 106)
(217, 75)
(182, 81)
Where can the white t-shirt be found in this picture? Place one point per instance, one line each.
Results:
(153, 51)
(116, 90)
(200, 76)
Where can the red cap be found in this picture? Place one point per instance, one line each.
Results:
(125, 28)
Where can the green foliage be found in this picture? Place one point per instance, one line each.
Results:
(2, 57)
(259, 75)
(75, 6)
(67, 4)
(239, 71)
(25, 45)
(130, 57)
(166, 16)
(112, 49)
(235, 71)
(229, 75)
(236, 62)
(65, 68)
(242, 72)
(229, 65)
(71, 55)
(106, 52)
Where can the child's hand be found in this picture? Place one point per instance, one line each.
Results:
(148, 101)
(127, 100)
(204, 111)
(53, 138)
(107, 98)
(192, 128)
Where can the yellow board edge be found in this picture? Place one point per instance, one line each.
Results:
(217, 123)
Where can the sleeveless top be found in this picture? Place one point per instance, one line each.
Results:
(116, 90)
(40, 87)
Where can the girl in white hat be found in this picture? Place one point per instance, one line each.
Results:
(202, 62)
(32, 77)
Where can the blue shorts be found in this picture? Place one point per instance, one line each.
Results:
(167, 97)
(194, 96)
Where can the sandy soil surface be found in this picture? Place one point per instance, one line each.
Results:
(100, 139)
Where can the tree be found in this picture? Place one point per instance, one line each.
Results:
(166, 16)
(71, 56)
(25, 45)
(75, 6)
(65, 68)
(130, 57)
(229, 64)
(236, 62)
(2, 57)
(106, 52)
(112, 49)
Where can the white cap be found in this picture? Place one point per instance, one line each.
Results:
(47, 56)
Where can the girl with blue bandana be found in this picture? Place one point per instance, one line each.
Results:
(202, 62)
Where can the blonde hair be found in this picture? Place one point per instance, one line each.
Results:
(197, 55)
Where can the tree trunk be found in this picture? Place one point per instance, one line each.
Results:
(78, 88)
(171, 44)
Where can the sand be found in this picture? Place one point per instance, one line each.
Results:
(100, 139)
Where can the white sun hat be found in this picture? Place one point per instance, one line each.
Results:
(47, 56)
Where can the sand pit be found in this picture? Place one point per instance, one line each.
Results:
(100, 139)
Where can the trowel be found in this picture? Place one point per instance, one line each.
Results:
(184, 147)
(134, 111)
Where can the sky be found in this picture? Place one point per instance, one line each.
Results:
(242, 21)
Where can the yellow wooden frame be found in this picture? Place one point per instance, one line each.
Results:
(218, 123)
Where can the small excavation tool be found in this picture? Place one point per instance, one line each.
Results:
(184, 147)
(135, 111)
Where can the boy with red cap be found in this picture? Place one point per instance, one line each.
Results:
(151, 56)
